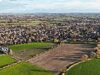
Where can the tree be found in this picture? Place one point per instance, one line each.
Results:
(57, 41)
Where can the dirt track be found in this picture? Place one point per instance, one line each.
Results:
(62, 56)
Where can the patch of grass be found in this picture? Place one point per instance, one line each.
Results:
(87, 68)
(5, 60)
(27, 54)
(31, 46)
(25, 69)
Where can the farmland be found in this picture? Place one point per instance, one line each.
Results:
(26, 51)
(6, 60)
(58, 58)
(53, 60)
(24, 69)
(86, 68)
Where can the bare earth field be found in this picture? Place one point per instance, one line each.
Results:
(58, 58)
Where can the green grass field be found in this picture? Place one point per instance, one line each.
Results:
(91, 67)
(24, 69)
(31, 46)
(6, 60)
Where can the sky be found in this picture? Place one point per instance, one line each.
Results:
(49, 6)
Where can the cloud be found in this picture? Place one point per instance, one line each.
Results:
(50, 6)
(66, 5)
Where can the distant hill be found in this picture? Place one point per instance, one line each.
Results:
(53, 14)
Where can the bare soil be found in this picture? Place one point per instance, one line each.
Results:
(58, 58)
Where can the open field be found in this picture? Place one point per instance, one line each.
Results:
(26, 51)
(87, 68)
(58, 58)
(24, 69)
(6, 60)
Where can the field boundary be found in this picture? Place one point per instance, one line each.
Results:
(51, 49)
(74, 64)
(11, 64)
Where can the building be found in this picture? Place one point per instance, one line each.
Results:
(4, 50)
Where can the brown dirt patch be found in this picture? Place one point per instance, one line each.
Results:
(58, 58)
